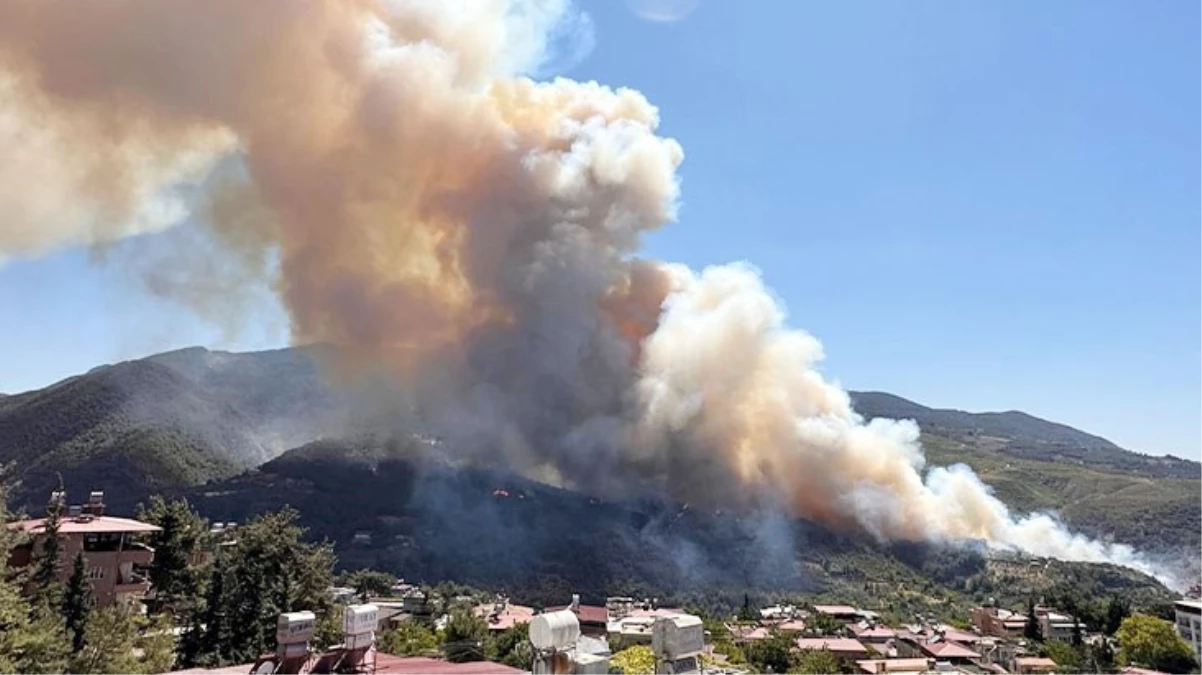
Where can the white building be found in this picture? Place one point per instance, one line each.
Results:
(1189, 623)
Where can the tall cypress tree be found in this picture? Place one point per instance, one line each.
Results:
(47, 563)
(1031, 629)
(77, 602)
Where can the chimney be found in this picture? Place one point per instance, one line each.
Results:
(575, 606)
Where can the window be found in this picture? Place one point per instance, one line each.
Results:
(96, 573)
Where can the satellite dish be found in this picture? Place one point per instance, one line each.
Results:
(265, 668)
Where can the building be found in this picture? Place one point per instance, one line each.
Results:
(846, 650)
(1055, 625)
(385, 664)
(1189, 624)
(115, 559)
(502, 615)
(999, 622)
(896, 666)
(594, 620)
(1030, 665)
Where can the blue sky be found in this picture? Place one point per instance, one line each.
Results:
(986, 206)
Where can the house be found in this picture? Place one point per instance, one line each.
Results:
(846, 650)
(1189, 623)
(1055, 625)
(593, 620)
(951, 652)
(998, 622)
(385, 664)
(634, 625)
(895, 666)
(116, 561)
(1026, 665)
(876, 636)
(502, 615)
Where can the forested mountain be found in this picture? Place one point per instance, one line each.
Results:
(195, 420)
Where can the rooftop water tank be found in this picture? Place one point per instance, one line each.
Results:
(677, 637)
(295, 627)
(555, 630)
(359, 619)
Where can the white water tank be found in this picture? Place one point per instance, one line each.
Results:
(677, 637)
(295, 628)
(555, 630)
(359, 619)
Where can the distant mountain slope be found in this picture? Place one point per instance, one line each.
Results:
(428, 521)
(178, 418)
(1021, 435)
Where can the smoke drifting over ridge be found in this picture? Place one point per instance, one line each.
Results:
(473, 231)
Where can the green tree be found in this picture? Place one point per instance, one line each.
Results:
(823, 624)
(212, 647)
(368, 583)
(464, 637)
(1077, 638)
(816, 661)
(773, 652)
(1064, 655)
(512, 647)
(634, 660)
(410, 638)
(1099, 657)
(47, 562)
(30, 642)
(1031, 628)
(268, 571)
(115, 644)
(178, 583)
(31, 639)
(1153, 643)
(1116, 610)
(747, 612)
(77, 602)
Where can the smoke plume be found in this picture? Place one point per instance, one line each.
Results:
(474, 232)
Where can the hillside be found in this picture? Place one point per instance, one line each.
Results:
(429, 522)
(192, 416)
(179, 418)
(1018, 434)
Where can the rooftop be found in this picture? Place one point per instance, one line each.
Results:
(950, 650)
(1192, 604)
(507, 618)
(1034, 662)
(836, 609)
(833, 644)
(387, 664)
(876, 666)
(586, 613)
(85, 525)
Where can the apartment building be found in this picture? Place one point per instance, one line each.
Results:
(115, 559)
(1189, 623)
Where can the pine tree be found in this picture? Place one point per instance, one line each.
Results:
(47, 563)
(1031, 629)
(176, 581)
(30, 641)
(77, 602)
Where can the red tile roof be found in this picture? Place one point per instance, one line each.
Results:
(833, 644)
(1136, 670)
(949, 650)
(387, 664)
(587, 613)
(93, 525)
(875, 633)
(513, 615)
